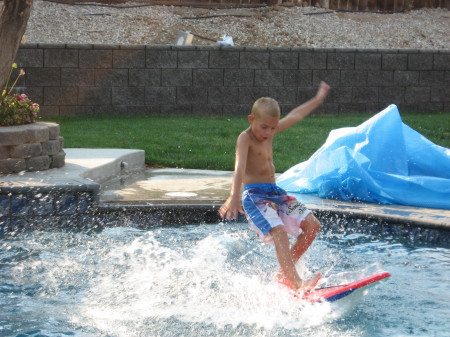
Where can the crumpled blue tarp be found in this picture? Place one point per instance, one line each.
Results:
(382, 160)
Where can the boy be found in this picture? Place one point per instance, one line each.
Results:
(269, 210)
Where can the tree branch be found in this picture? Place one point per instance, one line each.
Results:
(14, 15)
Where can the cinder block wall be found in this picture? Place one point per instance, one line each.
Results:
(209, 80)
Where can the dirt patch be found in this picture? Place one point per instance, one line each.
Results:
(52, 22)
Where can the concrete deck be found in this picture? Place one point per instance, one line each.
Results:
(82, 166)
(124, 181)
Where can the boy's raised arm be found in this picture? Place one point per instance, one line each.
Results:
(300, 112)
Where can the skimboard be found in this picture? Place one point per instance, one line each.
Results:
(334, 293)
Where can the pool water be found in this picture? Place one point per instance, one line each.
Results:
(212, 280)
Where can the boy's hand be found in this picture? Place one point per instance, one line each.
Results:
(300, 112)
(323, 90)
(231, 209)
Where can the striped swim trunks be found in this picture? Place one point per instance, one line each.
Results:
(267, 206)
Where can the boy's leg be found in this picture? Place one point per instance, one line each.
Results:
(310, 227)
(301, 223)
(284, 256)
(287, 263)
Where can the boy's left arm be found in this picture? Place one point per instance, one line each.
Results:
(300, 112)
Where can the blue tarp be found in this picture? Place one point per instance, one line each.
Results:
(382, 160)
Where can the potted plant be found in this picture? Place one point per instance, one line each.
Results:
(26, 145)
(16, 109)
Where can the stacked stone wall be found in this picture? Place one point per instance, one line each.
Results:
(30, 147)
(72, 80)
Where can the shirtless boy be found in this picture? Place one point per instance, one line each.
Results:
(269, 210)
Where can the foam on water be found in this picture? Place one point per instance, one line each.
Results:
(208, 280)
(205, 283)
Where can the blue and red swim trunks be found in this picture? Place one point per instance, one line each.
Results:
(267, 206)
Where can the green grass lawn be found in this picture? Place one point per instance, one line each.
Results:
(208, 142)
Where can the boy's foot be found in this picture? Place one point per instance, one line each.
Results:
(281, 279)
(307, 285)
(311, 283)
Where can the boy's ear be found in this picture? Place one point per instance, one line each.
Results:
(251, 118)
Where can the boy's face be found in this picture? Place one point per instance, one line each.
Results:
(263, 126)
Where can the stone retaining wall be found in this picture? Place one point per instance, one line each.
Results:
(30, 147)
(69, 80)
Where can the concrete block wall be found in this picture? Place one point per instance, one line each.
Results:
(209, 80)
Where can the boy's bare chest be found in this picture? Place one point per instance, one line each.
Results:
(260, 153)
(259, 168)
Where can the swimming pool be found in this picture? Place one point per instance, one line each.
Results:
(212, 280)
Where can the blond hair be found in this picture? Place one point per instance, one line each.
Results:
(267, 106)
